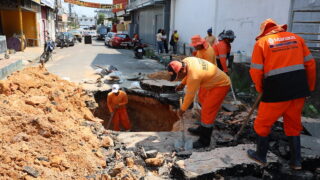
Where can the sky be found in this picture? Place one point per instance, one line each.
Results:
(85, 10)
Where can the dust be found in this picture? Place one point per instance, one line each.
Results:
(159, 75)
(41, 128)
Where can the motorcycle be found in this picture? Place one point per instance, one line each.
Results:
(47, 53)
(139, 51)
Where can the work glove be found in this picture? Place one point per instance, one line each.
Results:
(180, 87)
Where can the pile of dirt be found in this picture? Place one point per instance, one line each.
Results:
(159, 75)
(41, 128)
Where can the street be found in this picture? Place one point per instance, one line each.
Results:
(78, 62)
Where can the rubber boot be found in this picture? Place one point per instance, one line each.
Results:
(205, 138)
(295, 151)
(260, 155)
(195, 131)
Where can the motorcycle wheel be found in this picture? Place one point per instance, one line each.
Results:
(139, 55)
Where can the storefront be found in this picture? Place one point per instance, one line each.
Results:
(19, 23)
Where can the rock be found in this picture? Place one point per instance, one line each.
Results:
(219, 161)
(223, 138)
(129, 162)
(107, 142)
(151, 153)
(36, 100)
(31, 171)
(154, 162)
(117, 155)
(43, 159)
(230, 107)
(116, 170)
(184, 154)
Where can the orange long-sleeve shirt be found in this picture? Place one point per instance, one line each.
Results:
(207, 54)
(202, 74)
(113, 100)
(221, 49)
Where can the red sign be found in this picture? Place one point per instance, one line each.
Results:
(89, 4)
(119, 5)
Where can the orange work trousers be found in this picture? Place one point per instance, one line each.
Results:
(121, 116)
(211, 100)
(269, 113)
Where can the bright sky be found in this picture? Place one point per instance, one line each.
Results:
(80, 10)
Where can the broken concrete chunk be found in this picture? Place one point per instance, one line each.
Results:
(31, 171)
(310, 148)
(219, 160)
(312, 126)
(159, 86)
(129, 162)
(230, 107)
(152, 153)
(107, 142)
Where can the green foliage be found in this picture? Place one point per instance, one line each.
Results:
(101, 18)
(310, 111)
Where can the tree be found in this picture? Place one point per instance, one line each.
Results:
(101, 18)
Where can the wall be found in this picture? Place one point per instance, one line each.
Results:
(244, 17)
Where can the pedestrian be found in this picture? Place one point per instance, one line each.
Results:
(210, 38)
(114, 28)
(165, 41)
(203, 49)
(159, 41)
(174, 41)
(284, 71)
(213, 85)
(117, 100)
(222, 49)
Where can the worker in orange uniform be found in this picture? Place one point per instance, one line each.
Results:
(203, 49)
(213, 85)
(222, 49)
(117, 101)
(284, 70)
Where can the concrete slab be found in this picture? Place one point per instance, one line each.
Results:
(310, 147)
(220, 160)
(11, 66)
(312, 126)
(160, 141)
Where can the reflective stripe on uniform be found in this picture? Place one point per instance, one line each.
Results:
(308, 58)
(284, 70)
(256, 66)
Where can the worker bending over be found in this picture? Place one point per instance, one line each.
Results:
(222, 49)
(117, 101)
(203, 49)
(283, 69)
(213, 86)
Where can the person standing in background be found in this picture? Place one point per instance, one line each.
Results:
(174, 41)
(165, 41)
(210, 38)
(159, 41)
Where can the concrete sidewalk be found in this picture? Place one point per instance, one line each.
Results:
(18, 60)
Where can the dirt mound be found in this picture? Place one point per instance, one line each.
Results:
(159, 75)
(41, 128)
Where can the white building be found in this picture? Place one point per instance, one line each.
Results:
(86, 22)
(244, 17)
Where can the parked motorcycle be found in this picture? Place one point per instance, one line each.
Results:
(138, 49)
(47, 53)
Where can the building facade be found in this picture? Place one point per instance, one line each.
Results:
(86, 22)
(147, 16)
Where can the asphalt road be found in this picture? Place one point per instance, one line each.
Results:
(77, 63)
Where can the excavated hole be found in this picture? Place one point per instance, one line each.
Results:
(145, 113)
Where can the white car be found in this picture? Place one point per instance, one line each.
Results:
(108, 38)
(92, 33)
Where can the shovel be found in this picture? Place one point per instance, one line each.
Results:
(182, 145)
(110, 119)
(245, 122)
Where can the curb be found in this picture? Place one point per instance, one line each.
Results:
(7, 70)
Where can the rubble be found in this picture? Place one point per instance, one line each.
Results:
(41, 135)
(159, 86)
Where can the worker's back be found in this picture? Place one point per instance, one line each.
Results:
(281, 58)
